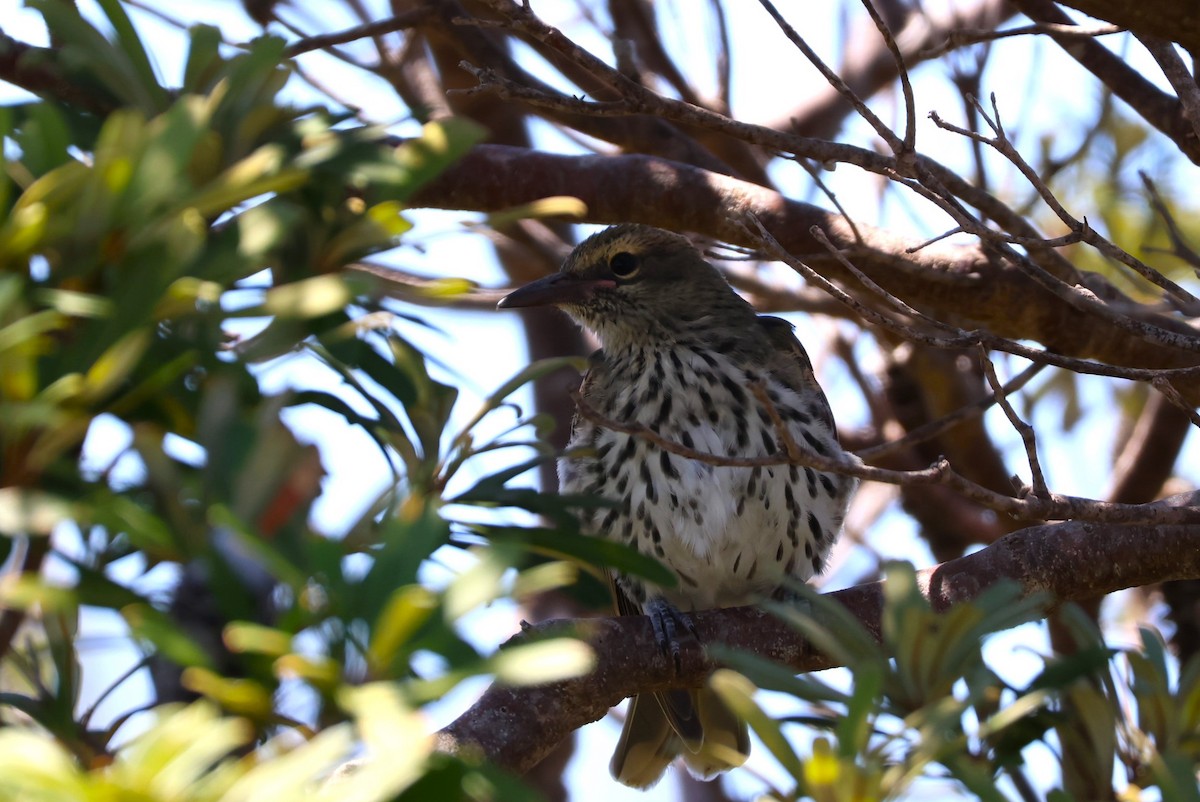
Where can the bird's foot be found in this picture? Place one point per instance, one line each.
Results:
(668, 622)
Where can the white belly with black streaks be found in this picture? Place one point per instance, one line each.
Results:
(730, 533)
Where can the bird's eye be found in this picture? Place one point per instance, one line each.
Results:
(623, 264)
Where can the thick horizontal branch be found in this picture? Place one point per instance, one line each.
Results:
(515, 727)
(958, 284)
(1168, 19)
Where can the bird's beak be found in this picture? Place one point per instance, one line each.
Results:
(553, 290)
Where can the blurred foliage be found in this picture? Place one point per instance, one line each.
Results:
(130, 242)
(924, 703)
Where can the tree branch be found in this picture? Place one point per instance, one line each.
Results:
(514, 727)
(957, 284)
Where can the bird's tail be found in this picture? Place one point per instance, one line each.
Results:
(694, 724)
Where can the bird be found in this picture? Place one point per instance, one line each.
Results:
(681, 355)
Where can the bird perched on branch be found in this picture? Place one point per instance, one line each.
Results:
(687, 358)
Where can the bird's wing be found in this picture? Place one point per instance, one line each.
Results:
(796, 367)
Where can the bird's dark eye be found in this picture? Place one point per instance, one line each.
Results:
(623, 264)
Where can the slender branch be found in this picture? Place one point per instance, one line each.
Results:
(1003, 145)
(514, 727)
(392, 24)
(1180, 248)
(910, 105)
(1181, 80)
(932, 180)
(833, 79)
(964, 37)
(1155, 106)
(1028, 436)
(955, 283)
(934, 428)
(1164, 386)
(1050, 507)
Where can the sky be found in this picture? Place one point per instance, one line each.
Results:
(483, 349)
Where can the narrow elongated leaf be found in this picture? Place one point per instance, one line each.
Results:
(590, 550)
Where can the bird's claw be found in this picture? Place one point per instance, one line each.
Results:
(666, 620)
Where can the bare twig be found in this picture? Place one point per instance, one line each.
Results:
(724, 60)
(1179, 245)
(885, 133)
(942, 277)
(965, 37)
(926, 243)
(1160, 109)
(1164, 386)
(398, 22)
(1028, 436)
(1178, 75)
(910, 105)
(794, 453)
(934, 428)
(815, 175)
(943, 184)
(1051, 507)
(1001, 143)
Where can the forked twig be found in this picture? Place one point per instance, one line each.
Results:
(1028, 436)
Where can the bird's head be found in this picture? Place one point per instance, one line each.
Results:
(632, 284)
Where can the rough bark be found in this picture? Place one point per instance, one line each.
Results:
(958, 284)
(515, 727)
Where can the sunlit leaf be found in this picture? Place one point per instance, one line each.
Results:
(397, 740)
(241, 696)
(544, 661)
(738, 693)
(441, 144)
(247, 636)
(406, 611)
(566, 206)
(157, 628)
(33, 766)
(32, 512)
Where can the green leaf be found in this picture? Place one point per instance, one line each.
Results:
(544, 661)
(530, 373)
(241, 696)
(34, 766)
(156, 627)
(203, 60)
(854, 730)
(312, 297)
(388, 727)
(441, 144)
(114, 366)
(775, 676)
(830, 627)
(131, 46)
(738, 693)
(406, 611)
(1061, 672)
(589, 550)
(43, 138)
(251, 638)
(556, 206)
(404, 545)
(262, 172)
